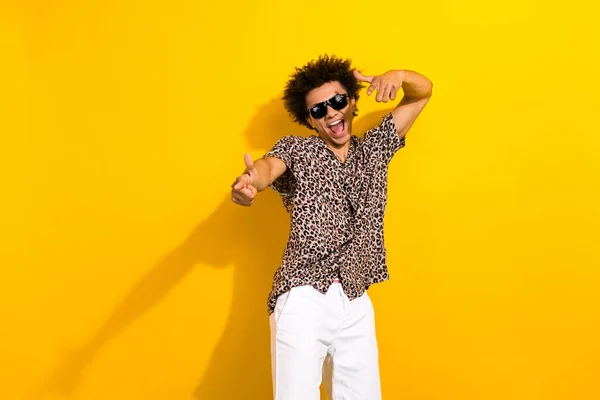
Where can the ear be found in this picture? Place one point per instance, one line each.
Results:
(308, 121)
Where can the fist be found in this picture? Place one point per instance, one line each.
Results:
(243, 190)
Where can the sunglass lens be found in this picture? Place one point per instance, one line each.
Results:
(318, 111)
(338, 102)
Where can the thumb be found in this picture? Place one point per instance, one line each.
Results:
(250, 168)
(249, 163)
(361, 77)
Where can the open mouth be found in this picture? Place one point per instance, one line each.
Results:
(338, 126)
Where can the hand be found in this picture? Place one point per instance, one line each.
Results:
(243, 190)
(386, 85)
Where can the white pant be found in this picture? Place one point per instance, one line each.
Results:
(307, 325)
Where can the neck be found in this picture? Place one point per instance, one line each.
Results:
(341, 151)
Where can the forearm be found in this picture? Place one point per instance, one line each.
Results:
(415, 85)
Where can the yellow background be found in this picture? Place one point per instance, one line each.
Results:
(127, 274)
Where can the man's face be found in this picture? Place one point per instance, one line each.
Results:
(336, 126)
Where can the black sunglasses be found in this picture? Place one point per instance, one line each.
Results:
(337, 102)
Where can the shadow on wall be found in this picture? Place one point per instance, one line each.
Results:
(240, 363)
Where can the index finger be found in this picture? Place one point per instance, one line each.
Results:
(238, 184)
(362, 77)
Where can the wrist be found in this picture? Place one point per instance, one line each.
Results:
(402, 73)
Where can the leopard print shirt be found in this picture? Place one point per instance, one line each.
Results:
(336, 211)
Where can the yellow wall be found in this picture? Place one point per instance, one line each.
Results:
(127, 274)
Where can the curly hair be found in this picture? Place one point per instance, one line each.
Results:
(314, 74)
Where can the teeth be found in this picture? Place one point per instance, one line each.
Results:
(335, 122)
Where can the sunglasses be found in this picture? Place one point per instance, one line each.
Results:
(337, 102)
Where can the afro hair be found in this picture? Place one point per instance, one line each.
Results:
(314, 74)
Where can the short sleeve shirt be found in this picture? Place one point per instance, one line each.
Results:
(336, 211)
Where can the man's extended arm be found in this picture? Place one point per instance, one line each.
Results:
(256, 178)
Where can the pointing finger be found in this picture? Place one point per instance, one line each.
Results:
(361, 77)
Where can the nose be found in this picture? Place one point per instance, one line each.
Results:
(330, 111)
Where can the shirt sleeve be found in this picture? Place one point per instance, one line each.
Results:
(284, 150)
(383, 140)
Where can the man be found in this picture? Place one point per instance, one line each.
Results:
(334, 186)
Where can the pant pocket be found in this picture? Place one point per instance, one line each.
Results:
(281, 304)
